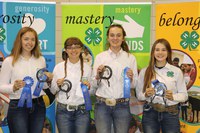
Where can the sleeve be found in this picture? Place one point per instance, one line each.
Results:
(54, 88)
(5, 76)
(97, 63)
(46, 86)
(181, 95)
(89, 75)
(139, 88)
(135, 72)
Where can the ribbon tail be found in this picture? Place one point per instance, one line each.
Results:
(29, 99)
(38, 88)
(22, 98)
(86, 95)
(127, 84)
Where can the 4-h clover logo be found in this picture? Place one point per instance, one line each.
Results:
(189, 40)
(93, 36)
(2, 36)
(170, 74)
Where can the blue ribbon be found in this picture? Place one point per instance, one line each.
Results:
(41, 79)
(86, 95)
(26, 93)
(127, 84)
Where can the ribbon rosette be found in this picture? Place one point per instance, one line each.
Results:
(26, 93)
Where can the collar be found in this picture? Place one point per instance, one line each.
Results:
(167, 65)
(72, 64)
(23, 58)
(112, 53)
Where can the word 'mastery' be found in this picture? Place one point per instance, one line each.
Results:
(90, 19)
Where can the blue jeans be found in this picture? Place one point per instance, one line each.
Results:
(153, 122)
(26, 120)
(72, 121)
(105, 115)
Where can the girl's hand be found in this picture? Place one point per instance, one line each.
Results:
(169, 95)
(99, 70)
(60, 82)
(49, 75)
(129, 73)
(18, 84)
(87, 83)
(149, 92)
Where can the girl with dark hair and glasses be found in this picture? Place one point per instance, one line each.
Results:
(72, 115)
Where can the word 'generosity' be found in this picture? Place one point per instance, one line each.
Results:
(178, 20)
(21, 18)
(88, 19)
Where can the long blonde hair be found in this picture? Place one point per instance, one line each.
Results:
(17, 46)
(150, 72)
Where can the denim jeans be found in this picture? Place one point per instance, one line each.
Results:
(72, 121)
(105, 115)
(26, 120)
(153, 121)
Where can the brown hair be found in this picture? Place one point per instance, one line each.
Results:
(124, 45)
(17, 46)
(150, 72)
(69, 42)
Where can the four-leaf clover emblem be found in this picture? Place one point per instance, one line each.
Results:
(2, 36)
(170, 74)
(93, 36)
(189, 40)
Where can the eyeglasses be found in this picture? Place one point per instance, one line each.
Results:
(73, 47)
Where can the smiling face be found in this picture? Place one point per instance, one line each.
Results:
(115, 38)
(160, 54)
(73, 51)
(28, 42)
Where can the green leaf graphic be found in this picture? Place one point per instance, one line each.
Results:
(93, 36)
(2, 36)
(170, 74)
(189, 40)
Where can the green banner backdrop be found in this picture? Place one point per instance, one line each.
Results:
(89, 22)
